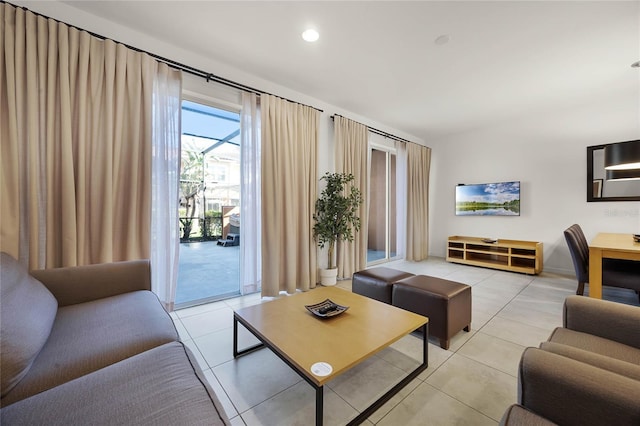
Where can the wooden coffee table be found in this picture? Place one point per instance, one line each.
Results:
(301, 339)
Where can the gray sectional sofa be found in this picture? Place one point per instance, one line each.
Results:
(586, 373)
(93, 345)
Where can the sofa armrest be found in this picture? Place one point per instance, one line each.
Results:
(569, 392)
(79, 284)
(517, 415)
(609, 320)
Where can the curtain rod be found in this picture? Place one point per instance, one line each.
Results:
(376, 131)
(174, 64)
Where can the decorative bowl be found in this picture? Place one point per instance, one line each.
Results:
(326, 309)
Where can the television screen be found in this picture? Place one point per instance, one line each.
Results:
(488, 199)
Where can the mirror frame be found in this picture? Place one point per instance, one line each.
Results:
(590, 197)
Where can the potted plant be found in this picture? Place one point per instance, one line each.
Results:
(336, 218)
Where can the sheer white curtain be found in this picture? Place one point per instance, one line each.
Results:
(401, 199)
(250, 190)
(165, 181)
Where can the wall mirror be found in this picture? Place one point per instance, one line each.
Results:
(601, 189)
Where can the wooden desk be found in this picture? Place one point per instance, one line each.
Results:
(610, 246)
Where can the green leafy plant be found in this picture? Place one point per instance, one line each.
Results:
(336, 212)
(191, 183)
(212, 226)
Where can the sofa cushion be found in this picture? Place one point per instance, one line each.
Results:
(27, 313)
(596, 345)
(162, 386)
(89, 336)
(614, 365)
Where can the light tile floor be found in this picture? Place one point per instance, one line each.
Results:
(472, 383)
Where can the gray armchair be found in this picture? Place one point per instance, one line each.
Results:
(587, 373)
(569, 392)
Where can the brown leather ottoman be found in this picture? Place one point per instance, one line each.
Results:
(376, 283)
(446, 303)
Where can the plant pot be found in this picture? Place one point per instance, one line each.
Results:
(328, 277)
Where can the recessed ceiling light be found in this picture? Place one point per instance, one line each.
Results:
(635, 65)
(443, 39)
(310, 35)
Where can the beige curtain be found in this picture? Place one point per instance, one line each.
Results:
(352, 153)
(289, 191)
(75, 144)
(417, 211)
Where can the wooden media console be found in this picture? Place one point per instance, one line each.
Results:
(508, 255)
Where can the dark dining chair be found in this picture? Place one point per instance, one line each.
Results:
(615, 272)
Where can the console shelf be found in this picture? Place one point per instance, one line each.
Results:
(508, 255)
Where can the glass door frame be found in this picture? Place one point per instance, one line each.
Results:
(231, 108)
(389, 152)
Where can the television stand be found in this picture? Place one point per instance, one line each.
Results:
(507, 255)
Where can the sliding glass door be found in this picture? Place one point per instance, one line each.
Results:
(381, 246)
(209, 205)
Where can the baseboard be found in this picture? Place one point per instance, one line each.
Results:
(569, 273)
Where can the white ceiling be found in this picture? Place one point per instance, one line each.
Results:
(379, 59)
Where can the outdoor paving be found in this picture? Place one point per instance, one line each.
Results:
(207, 270)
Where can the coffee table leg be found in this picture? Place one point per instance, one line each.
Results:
(235, 337)
(319, 404)
(236, 352)
(425, 342)
(360, 418)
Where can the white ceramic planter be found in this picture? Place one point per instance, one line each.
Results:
(328, 276)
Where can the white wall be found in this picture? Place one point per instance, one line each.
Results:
(546, 151)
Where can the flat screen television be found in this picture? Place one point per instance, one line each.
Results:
(488, 199)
